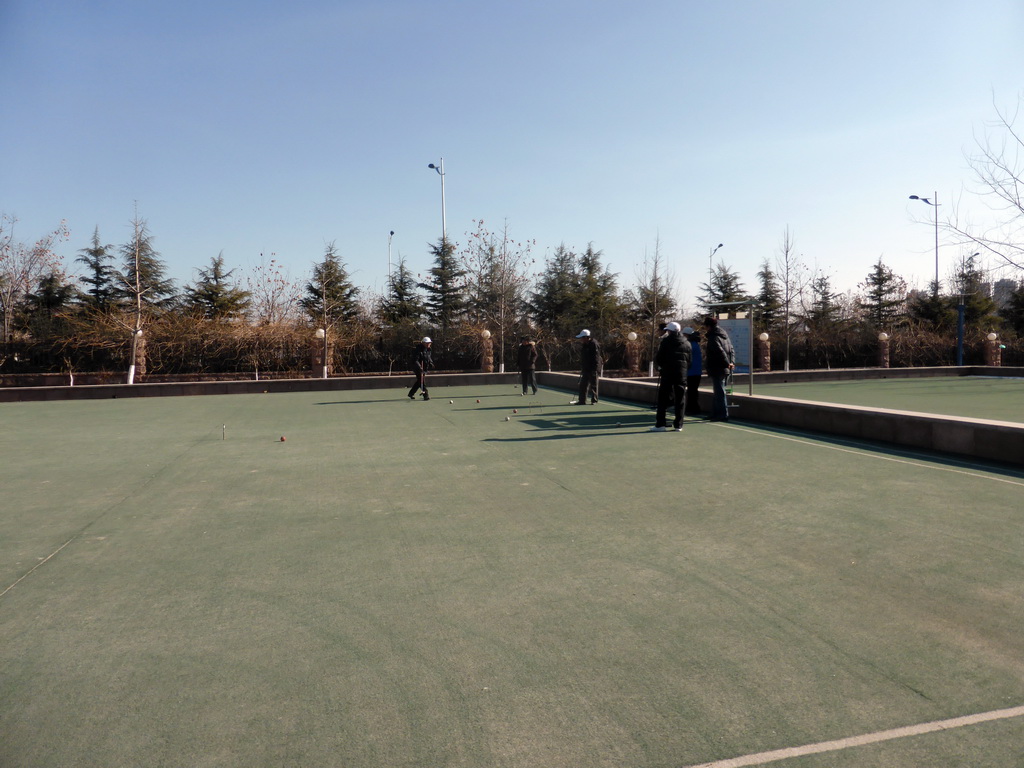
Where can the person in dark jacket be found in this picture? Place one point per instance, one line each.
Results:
(673, 361)
(719, 359)
(693, 375)
(421, 363)
(528, 363)
(590, 367)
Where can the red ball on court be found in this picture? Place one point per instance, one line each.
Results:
(478, 400)
(515, 410)
(282, 438)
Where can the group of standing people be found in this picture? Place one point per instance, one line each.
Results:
(679, 362)
(678, 358)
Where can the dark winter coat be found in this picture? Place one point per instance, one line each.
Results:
(527, 356)
(422, 360)
(720, 354)
(590, 354)
(673, 357)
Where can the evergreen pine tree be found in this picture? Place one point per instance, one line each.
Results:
(142, 278)
(402, 303)
(931, 309)
(824, 311)
(330, 296)
(769, 311)
(553, 304)
(969, 282)
(725, 287)
(446, 298)
(598, 306)
(101, 275)
(884, 300)
(214, 296)
(1013, 312)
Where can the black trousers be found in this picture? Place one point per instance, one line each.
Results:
(588, 386)
(421, 383)
(529, 379)
(670, 393)
(692, 398)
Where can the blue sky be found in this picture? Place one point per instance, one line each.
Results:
(257, 127)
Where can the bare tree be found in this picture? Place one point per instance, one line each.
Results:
(793, 279)
(998, 166)
(274, 298)
(496, 268)
(22, 266)
(652, 302)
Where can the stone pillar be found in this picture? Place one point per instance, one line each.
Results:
(316, 357)
(764, 353)
(487, 353)
(883, 350)
(993, 350)
(632, 356)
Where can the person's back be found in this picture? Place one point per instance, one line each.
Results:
(696, 357)
(673, 357)
(719, 351)
(590, 354)
(719, 362)
(527, 356)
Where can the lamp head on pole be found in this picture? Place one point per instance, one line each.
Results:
(922, 199)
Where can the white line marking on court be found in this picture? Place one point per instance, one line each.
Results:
(868, 738)
(867, 453)
(38, 565)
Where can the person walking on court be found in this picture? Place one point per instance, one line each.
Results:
(528, 363)
(673, 361)
(693, 374)
(720, 360)
(421, 363)
(590, 367)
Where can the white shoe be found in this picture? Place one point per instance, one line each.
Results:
(677, 429)
(658, 429)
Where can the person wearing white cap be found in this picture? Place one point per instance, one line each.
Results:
(421, 363)
(590, 367)
(673, 360)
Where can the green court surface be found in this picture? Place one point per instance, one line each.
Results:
(429, 584)
(972, 397)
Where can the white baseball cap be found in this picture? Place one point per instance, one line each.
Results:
(583, 334)
(688, 330)
(426, 340)
(673, 327)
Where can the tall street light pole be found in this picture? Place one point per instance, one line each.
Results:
(711, 269)
(390, 235)
(444, 226)
(934, 203)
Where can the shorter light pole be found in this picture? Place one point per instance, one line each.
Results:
(934, 203)
(711, 268)
(444, 225)
(321, 333)
(390, 235)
